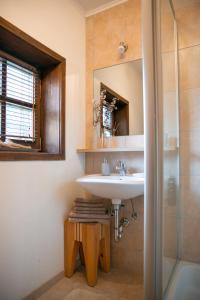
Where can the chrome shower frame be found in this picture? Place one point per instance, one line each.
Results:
(153, 152)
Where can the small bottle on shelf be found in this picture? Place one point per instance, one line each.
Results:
(105, 168)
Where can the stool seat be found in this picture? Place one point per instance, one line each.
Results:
(92, 241)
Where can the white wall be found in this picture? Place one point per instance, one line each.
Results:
(35, 196)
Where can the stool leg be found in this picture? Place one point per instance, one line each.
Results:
(81, 254)
(70, 248)
(91, 241)
(105, 248)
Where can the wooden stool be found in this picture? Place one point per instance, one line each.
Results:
(92, 240)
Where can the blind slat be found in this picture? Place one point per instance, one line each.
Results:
(19, 92)
(17, 78)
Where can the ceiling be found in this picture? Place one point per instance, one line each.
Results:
(90, 5)
(93, 4)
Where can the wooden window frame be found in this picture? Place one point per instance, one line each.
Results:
(51, 66)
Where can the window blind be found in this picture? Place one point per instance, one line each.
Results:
(19, 102)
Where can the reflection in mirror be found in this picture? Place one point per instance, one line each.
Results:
(118, 100)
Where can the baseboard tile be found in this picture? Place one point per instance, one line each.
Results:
(43, 288)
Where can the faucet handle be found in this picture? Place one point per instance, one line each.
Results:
(118, 164)
(121, 164)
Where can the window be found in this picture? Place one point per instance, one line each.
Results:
(115, 113)
(107, 122)
(19, 103)
(32, 98)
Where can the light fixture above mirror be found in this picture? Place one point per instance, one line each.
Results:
(123, 47)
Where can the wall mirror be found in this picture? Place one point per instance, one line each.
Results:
(118, 99)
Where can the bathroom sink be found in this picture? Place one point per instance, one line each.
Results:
(114, 186)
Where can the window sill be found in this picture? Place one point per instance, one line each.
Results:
(17, 156)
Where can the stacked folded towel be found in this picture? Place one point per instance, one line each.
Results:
(88, 211)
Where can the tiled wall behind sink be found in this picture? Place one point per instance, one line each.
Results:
(127, 254)
(134, 161)
(104, 32)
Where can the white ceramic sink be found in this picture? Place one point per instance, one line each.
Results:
(114, 186)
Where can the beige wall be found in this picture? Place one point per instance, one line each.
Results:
(104, 32)
(188, 16)
(35, 196)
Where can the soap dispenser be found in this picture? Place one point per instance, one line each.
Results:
(105, 168)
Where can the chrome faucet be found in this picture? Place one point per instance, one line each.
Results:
(121, 168)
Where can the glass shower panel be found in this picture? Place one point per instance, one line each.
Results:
(170, 140)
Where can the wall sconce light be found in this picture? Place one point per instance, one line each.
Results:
(123, 47)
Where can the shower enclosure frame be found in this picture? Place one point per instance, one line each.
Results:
(153, 154)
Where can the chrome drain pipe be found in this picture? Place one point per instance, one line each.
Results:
(118, 232)
(116, 210)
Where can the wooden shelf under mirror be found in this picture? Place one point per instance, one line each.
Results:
(122, 149)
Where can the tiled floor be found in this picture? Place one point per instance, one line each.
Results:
(111, 286)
